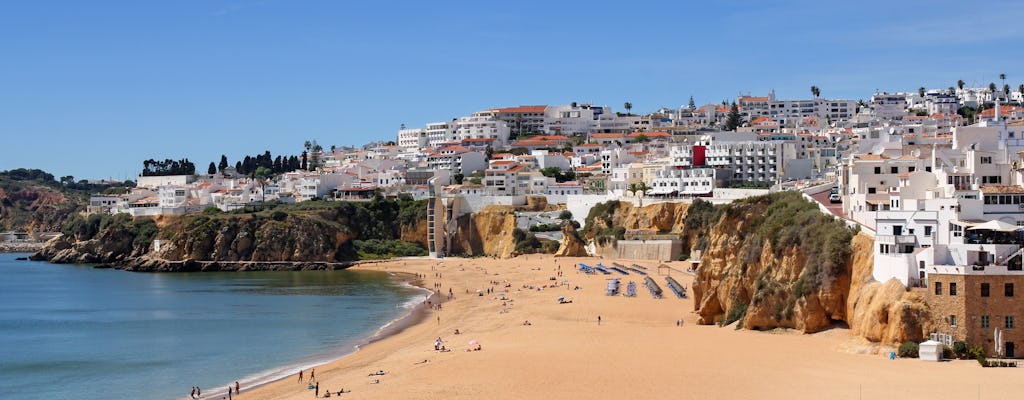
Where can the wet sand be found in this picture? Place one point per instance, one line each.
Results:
(637, 351)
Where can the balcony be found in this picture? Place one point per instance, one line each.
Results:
(896, 239)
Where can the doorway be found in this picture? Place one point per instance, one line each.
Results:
(1009, 350)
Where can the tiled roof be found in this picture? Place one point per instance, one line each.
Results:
(1003, 189)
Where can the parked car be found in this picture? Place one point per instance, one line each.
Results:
(834, 198)
(834, 190)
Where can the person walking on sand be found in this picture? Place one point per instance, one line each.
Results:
(193, 394)
(229, 392)
(312, 374)
(599, 320)
(300, 376)
(317, 394)
(236, 387)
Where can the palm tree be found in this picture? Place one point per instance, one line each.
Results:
(920, 91)
(1002, 77)
(960, 84)
(260, 175)
(640, 188)
(628, 106)
(992, 89)
(815, 91)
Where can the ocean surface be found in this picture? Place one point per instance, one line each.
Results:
(72, 331)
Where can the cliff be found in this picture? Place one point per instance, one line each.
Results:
(755, 272)
(319, 232)
(32, 207)
(487, 232)
(777, 262)
(606, 218)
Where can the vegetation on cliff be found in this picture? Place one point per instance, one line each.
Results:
(309, 231)
(33, 200)
(770, 261)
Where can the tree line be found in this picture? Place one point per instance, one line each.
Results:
(167, 167)
(249, 164)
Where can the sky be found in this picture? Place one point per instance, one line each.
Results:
(91, 89)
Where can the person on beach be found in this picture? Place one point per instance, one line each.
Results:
(300, 376)
(312, 374)
(236, 387)
(193, 394)
(317, 393)
(229, 392)
(199, 392)
(599, 320)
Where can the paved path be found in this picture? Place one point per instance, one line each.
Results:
(836, 208)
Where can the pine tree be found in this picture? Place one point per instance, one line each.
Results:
(733, 119)
(223, 163)
(213, 168)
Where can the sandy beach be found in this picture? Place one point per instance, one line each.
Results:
(637, 351)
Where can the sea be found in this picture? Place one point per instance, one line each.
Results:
(73, 331)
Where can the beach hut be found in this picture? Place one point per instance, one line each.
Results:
(930, 351)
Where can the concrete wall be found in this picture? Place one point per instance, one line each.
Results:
(654, 250)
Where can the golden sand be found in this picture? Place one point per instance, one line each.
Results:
(637, 352)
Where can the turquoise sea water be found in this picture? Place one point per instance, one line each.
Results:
(69, 331)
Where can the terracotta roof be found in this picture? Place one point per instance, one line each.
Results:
(1002, 110)
(1002, 189)
(650, 134)
(762, 119)
(502, 162)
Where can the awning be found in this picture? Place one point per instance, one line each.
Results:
(996, 225)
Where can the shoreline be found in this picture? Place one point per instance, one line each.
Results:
(412, 316)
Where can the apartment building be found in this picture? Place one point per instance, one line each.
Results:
(791, 112)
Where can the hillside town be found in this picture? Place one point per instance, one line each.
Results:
(936, 176)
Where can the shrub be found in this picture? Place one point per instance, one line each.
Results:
(960, 349)
(948, 353)
(565, 214)
(375, 248)
(278, 215)
(211, 211)
(908, 350)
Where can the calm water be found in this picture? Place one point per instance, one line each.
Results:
(77, 331)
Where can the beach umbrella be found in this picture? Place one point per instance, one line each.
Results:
(473, 342)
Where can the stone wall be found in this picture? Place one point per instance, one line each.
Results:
(970, 307)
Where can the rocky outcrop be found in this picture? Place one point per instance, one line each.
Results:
(298, 237)
(882, 312)
(659, 217)
(572, 245)
(748, 281)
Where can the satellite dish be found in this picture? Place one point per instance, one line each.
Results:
(877, 149)
(916, 153)
(892, 131)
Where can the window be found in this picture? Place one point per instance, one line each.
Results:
(911, 169)
(984, 290)
(952, 320)
(1008, 289)
(986, 160)
(984, 321)
(928, 230)
(928, 169)
(952, 288)
(1009, 322)
(938, 288)
(871, 190)
(878, 170)
(894, 170)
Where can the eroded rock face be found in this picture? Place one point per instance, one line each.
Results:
(488, 232)
(735, 273)
(661, 217)
(571, 245)
(882, 312)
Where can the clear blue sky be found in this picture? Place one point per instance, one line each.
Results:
(93, 88)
